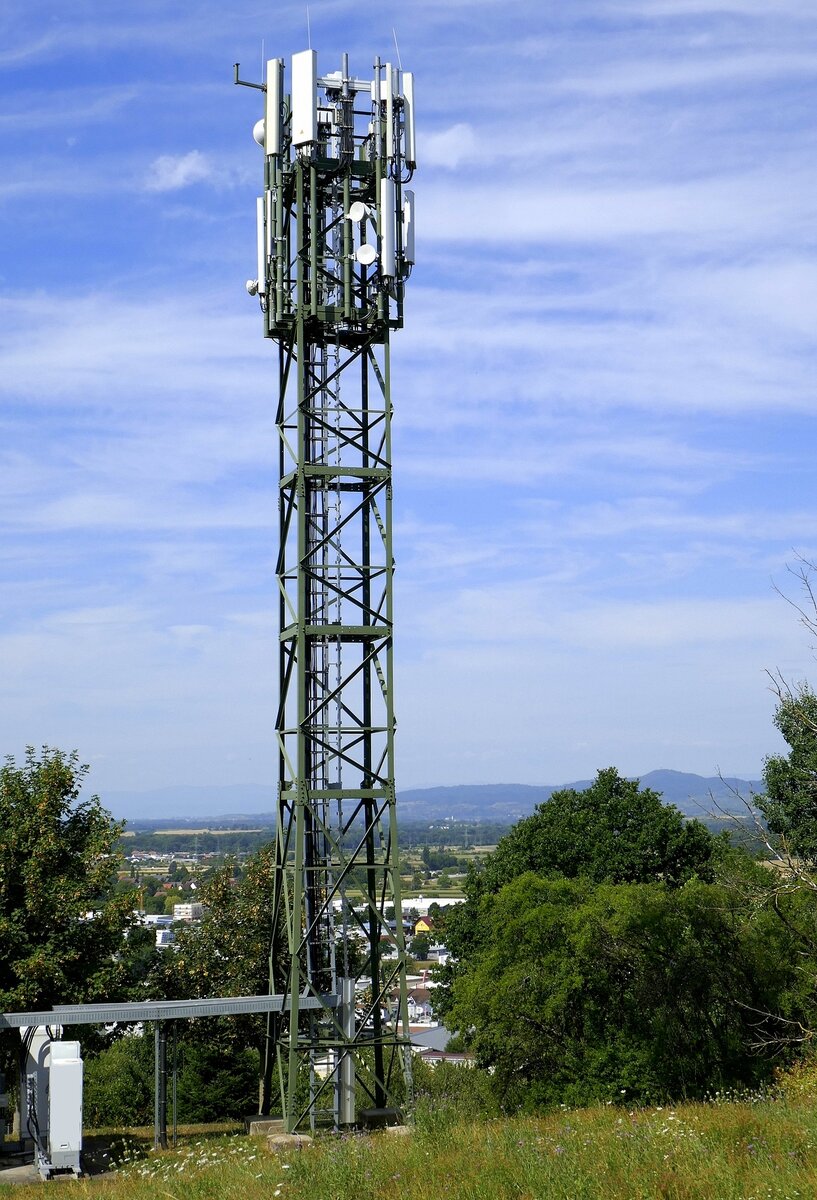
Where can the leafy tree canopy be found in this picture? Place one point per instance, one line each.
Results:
(643, 992)
(227, 953)
(61, 925)
(212, 1085)
(420, 946)
(790, 802)
(613, 832)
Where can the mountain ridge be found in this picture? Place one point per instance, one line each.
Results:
(694, 795)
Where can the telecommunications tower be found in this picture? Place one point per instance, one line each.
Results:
(335, 242)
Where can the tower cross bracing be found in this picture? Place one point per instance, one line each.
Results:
(335, 245)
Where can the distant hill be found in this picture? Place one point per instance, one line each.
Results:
(695, 795)
(503, 802)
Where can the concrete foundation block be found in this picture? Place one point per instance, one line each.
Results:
(262, 1126)
(279, 1143)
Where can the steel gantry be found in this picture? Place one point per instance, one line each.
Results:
(335, 244)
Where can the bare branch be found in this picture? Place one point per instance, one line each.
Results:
(804, 572)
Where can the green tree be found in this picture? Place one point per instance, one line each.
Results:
(118, 1084)
(581, 992)
(153, 903)
(138, 959)
(226, 954)
(790, 800)
(212, 1085)
(215, 1087)
(171, 899)
(419, 947)
(61, 922)
(438, 915)
(614, 831)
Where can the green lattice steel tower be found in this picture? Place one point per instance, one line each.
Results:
(335, 245)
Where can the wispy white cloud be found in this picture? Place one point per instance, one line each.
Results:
(26, 51)
(72, 108)
(592, 675)
(524, 611)
(105, 30)
(122, 176)
(450, 147)
(694, 71)
(170, 172)
(659, 9)
(723, 208)
(774, 296)
(108, 347)
(603, 393)
(88, 669)
(709, 335)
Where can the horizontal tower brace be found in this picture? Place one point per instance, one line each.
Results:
(344, 633)
(337, 793)
(319, 471)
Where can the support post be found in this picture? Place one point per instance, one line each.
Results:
(346, 1100)
(159, 1086)
(175, 1081)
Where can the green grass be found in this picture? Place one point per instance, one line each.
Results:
(724, 1151)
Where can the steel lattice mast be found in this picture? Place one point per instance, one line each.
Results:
(335, 245)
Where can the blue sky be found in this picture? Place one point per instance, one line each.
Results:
(604, 396)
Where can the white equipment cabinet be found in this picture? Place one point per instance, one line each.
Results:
(52, 1112)
(65, 1107)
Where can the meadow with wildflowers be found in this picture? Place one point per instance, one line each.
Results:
(759, 1147)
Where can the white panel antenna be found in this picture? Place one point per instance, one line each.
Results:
(408, 227)
(408, 117)
(390, 82)
(390, 77)
(272, 106)
(388, 223)
(261, 243)
(304, 97)
(330, 125)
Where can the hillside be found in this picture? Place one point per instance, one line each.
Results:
(239, 804)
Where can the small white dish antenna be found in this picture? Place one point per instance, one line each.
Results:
(357, 212)
(258, 131)
(366, 254)
(252, 287)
